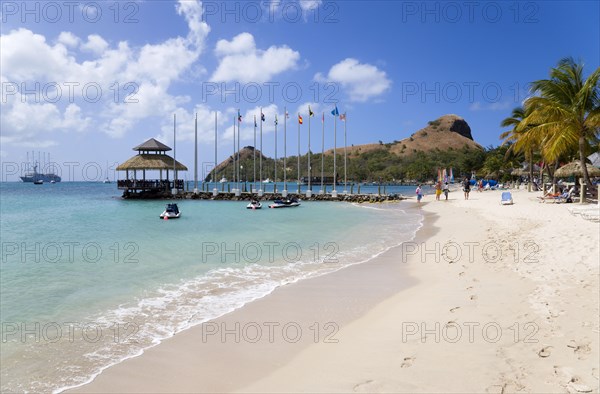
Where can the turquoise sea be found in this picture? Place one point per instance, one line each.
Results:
(88, 279)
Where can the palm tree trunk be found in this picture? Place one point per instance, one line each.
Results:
(553, 172)
(530, 169)
(586, 176)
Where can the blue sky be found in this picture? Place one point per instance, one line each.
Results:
(391, 65)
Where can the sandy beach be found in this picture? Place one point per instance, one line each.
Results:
(487, 298)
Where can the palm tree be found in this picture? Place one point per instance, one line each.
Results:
(564, 112)
(519, 137)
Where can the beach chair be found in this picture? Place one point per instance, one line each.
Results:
(506, 198)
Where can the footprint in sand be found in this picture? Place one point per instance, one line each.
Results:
(580, 348)
(455, 309)
(545, 352)
(461, 273)
(408, 362)
(469, 288)
(363, 387)
(473, 298)
(575, 387)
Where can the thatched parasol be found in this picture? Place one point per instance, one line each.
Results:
(150, 162)
(519, 172)
(574, 169)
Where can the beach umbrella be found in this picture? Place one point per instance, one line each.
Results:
(574, 169)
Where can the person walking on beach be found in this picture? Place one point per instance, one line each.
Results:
(446, 190)
(419, 192)
(438, 190)
(466, 187)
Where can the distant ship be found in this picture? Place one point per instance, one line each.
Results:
(38, 177)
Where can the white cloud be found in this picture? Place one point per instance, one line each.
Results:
(95, 44)
(29, 58)
(241, 61)
(361, 81)
(308, 5)
(68, 39)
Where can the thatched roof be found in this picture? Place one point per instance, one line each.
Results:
(574, 169)
(152, 145)
(150, 162)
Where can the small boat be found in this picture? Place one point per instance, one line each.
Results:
(223, 180)
(106, 180)
(289, 203)
(38, 182)
(268, 180)
(53, 181)
(171, 212)
(254, 204)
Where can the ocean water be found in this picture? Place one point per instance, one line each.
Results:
(88, 279)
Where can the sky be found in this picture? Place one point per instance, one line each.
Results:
(87, 81)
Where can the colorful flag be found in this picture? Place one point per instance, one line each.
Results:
(343, 117)
(239, 116)
(276, 120)
(262, 117)
(287, 115)
(335, 112)
(299, 118)
(310, 112)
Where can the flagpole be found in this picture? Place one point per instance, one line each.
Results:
(215, 190)
(333, 192)
(309, 187)
(322, 153)
(284, 151)
(196, 154)
(345, 156)
(233, 155)
(275, 180)
(238, 154)
(261, 154)
(298, 154)
(254, 156)
(174, 191)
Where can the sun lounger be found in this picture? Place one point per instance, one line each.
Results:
(506, 198)
(565, 197)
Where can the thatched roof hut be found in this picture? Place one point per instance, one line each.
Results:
(151, 157)
(146, 161)
(574, 169)
(152, 145)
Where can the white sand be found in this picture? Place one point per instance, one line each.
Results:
(528, 320)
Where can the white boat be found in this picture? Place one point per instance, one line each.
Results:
(223, 180)
(254, 204)
(268, 180)
(53, 181)
(38, 182)
(289, 203)
(106, 180)
(171, 212)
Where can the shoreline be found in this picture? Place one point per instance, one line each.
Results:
(104, 381)
(376, 306)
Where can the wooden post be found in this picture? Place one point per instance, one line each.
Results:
(582, 191)
(358, 192)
